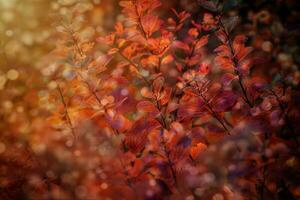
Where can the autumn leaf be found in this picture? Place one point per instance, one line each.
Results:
(145, 124)
(150, 24)
(204, 68)
(167, 59)
(238, 43)
(146, 106)
(172, 106)
(209, 5)
(225, 101)
(120, 123)
(201, 42)
(223, 51)
(193, 32)
(182, 16)
(227, 78)
(224, 63)
(158, 85)
(100, 63)
(196, 150)
(165, 96)
(112, 51)
(243, 53)
(119, 28)
(222, 36)
(181, 45)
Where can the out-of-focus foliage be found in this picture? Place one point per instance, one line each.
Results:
(148, 99)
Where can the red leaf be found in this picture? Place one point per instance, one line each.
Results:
(136, 143)
(113, 51)
(189, 109)
(137, 136)
(177, 127)
(224, 63)
(181, 45)
(146, 106)
(100, 63)
(165, 96)
(204, 68)
(194, 60)
(182, 16)
(158, 84)
(201, 42)
(167, 59)
(150, 24)
(222, 36)
(137, 168)
(145, 92)
(196, 150)
(244, 66)
(190, 91)
(119, 28)
(243, 53)
(126, 4)
(193, 32)
(223, 51)
(227, 78)
(225, 101)
(144, 124)
(172, 106)
(238, 43)
(120, 123)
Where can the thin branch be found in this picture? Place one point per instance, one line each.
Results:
(66, 112)
(211, 111)
(286, 117)
(235, 61)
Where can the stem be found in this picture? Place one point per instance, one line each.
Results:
(286, 117)
(135, 66)
(140, 24)
(166, 151)
(235, 61)
(246, 98)
(66, 112)
(163, 120)
(191, 54)
(211, 111)
(215, 115)
(170, 163)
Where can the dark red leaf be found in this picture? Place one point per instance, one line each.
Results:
(225, 101)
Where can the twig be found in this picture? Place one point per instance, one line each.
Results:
(66, 112)
(235, 61)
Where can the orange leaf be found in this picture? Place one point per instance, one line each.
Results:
(201, 42)
(204, 68)
(196, 150)
(243, 53)
(172, 106)
(167, 59)
(146, 106)
(150, 24)
(222, 36)
(193, 32)
(181, 45)
(223, 50)
(113, 51)
(224, 63)
(158, 84)
(227, 78)
(165, 96)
